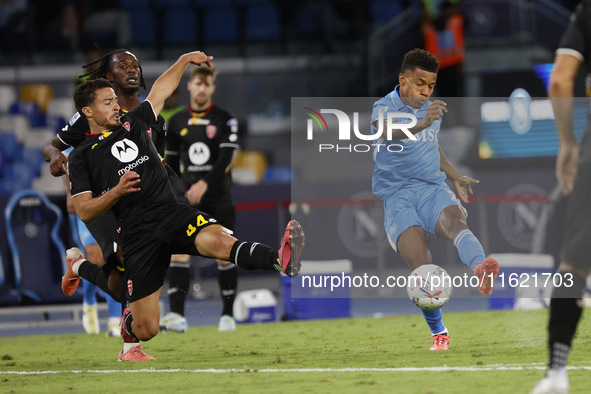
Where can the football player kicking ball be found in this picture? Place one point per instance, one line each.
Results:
(412, 184)
(119, 169)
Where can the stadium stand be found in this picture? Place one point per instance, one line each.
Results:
(249, 168)
(33, 226)
(7, 97)
(39, 93)
(221, 24)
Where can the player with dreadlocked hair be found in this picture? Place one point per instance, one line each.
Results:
(100, 67)
(123, 70)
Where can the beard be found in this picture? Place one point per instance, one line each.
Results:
(129, 90)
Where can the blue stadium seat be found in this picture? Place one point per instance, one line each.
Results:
(262, 23)
(33, 158)
(221, 24)
(180, 27)
(143, 30)
(277, 174)
(20, 173)
(31, 110)
(383, 11)
(55, 122)
(9, 186)
(9, 147)
(38, 253)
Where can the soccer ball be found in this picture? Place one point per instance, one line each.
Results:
(429, 287)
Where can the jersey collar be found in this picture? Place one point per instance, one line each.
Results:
(200, 114)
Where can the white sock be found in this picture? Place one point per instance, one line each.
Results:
(442, 332)
(128, 346)
(76, 265)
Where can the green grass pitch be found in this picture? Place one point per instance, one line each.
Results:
(490, 352)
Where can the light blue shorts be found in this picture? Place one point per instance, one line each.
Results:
(417, 206)
(85, 237)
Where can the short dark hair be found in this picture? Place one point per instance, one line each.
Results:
(85, 93)
(419, 58)
(205, 71)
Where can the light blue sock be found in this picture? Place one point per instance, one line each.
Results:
(114, 307)
(434, 320)
(469, 248)
(89, 292)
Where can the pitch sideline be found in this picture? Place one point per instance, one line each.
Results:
(491, 367)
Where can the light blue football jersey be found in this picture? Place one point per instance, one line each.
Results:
(416, 163)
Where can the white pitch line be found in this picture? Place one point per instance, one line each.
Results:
(492, 367)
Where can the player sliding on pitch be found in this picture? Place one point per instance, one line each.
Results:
(119, 169)
(412, 184)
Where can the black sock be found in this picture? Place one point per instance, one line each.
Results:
(96, 275)
(128, 320)
(252, 256)
(565, 313)
(178, 282)
(228, 281)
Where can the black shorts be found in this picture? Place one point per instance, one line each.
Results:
(105, 230)
(178, 187)
(577, 235)
(222, 211)
(148, 244)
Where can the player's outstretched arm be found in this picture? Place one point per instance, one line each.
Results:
(52, 153)
(562, 84)
(461, 183)
(89, 208)
(168, 82)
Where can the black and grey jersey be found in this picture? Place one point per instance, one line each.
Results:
(97, 164)
(77, 129)
(199, 142)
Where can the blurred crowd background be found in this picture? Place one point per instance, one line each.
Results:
(270, 51)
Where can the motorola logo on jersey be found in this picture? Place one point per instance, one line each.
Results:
(199, 153)
(124, 150)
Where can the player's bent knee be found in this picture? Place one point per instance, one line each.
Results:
(145, 329)
(214, 242)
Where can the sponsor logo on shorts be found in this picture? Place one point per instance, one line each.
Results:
(129, 286)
